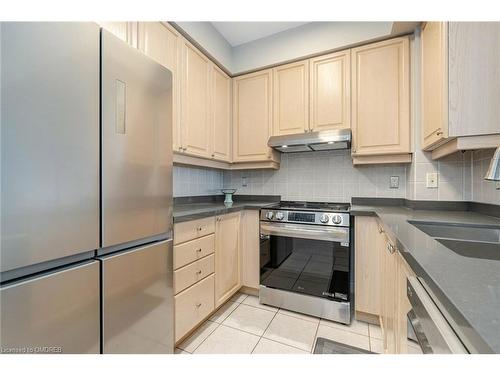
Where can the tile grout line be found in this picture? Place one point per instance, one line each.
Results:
(211, 321)
(263, 332)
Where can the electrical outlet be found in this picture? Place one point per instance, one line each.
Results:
(432, 180)
(244, 181)
(394, 182)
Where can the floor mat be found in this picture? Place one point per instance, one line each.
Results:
(325, 346)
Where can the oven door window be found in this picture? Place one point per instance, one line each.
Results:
(313, 267)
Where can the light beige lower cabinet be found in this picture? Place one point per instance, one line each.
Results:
(380, 282)
(227, 257)
(210, 257)
(250, 249)
(367, 270)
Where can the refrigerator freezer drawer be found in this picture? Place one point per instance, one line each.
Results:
(50, 141)
(136, 144)
(137, 298)
(53, 313)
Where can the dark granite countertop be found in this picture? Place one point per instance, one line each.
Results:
(466, 289)
(186, 209)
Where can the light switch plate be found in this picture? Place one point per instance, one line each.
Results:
(394, 182)
(432, 180)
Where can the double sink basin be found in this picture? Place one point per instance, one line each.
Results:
(470, 241)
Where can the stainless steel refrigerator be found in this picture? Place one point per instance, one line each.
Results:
(86, 193)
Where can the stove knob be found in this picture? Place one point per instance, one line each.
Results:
(337, 219)
(324, 218)
(269, 215)
(280, 215)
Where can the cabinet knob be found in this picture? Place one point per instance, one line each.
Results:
(198, 250)
(439, 133)
(213, 155)
(380, 230)
(198, 272)
(184, 148)
(198, 304)
(180, 148)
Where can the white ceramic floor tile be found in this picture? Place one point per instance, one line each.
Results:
(223, 312)
(376, 345)
(292, 331)
(344, 337)
(254, 301)
(356, 326)
(299, 315)
(238, 297)
(375, 331)
(227, 340)
(266, 346)
(180, 351)
(249, 319)
(193, 341)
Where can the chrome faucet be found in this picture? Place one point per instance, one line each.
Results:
(493, 173)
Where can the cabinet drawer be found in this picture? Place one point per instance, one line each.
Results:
(193, 305)
(193, 229)
(192, 273)
(193, 250)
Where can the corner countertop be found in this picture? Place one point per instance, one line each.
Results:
(197, 210)
(466, 289)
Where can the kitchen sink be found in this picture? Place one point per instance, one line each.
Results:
(473, 249)
(475, 242)
(460, 232)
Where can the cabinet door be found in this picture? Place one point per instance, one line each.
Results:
(380, 105)
(403, 344)
(163, 44)
(291, 98)
(330, 91)
(195, 91)
(434, 84)
(252, 116)
(388, 295)
(250, 249)
(367, 266)
(227, 257)
(221, 115)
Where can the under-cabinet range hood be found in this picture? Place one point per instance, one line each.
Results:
(312, 141)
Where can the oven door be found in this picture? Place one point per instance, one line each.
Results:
(307, 259)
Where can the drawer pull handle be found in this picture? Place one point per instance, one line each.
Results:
(198, 305)
(198, 272)
(199, 228)
(380, 230)
(198, 250)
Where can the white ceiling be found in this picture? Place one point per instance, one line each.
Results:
(237, 33)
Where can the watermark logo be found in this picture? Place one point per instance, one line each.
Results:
(31, 350)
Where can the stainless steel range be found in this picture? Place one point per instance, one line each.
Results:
(305, 259)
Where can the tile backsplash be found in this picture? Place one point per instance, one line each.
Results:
(319, 176)
(190, 181)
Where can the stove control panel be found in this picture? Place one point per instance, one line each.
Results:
(305, 217)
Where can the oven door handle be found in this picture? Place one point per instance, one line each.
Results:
(336, 234)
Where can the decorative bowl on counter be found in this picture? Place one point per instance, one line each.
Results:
(229, 196)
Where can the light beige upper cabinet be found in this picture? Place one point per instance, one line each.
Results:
(227, 257)
(460, 81)
(367, 263)
(195, 101)
(221, 115)
(381, 102)
(291, 98)
(434, 84)
(252, 116)
(126, 31)
(162, 43)
(330, 99)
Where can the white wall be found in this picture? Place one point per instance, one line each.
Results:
(309, 39)
(211, 40)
